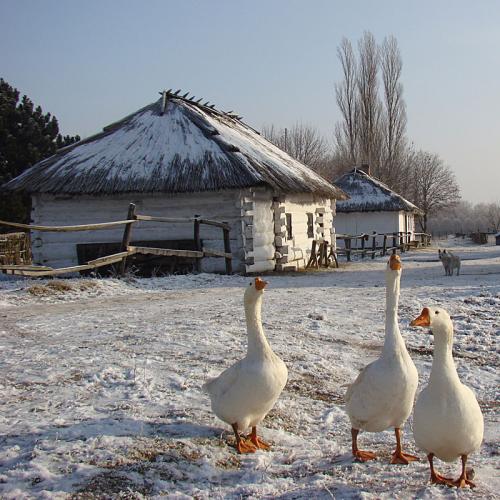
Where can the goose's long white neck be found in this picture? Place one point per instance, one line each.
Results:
(443, 367)
(257, 342)
(393, 339)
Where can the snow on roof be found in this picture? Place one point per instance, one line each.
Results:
(173, 145)
(367, 194)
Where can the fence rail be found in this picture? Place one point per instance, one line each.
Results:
(390, 242)
(25, 268)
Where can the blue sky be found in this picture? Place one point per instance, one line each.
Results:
(274, 62)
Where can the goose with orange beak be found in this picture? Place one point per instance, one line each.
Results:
(243, 394)
(382, 396)
(447, 422)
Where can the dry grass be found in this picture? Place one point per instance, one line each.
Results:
(149, 455)
(58, 287)
(311, 386)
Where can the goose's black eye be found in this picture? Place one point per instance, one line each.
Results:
(250, 283)
(436, 312)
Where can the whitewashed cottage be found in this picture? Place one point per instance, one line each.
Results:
(180, 158)
(372, 206)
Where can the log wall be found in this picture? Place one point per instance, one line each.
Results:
(59, 249)
(295, 252)
(257, 219)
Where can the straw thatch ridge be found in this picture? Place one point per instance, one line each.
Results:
(368, 194)
(174, 145)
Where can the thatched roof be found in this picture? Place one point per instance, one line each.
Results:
(174, 145)
(367, 194)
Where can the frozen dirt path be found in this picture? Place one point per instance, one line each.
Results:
(100, 390)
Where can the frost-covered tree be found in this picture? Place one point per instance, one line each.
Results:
(434, 186)
(303, 142)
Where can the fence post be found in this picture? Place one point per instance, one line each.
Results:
(363, 251)
(127, 233)
(402, 242)
(394, 242)
(384, 246)
(374, 244)
(227, 249)
(197, 241)
(347, 246)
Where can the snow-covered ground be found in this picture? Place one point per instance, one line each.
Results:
(100, 381)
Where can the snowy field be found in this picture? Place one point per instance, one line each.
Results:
(100, 382)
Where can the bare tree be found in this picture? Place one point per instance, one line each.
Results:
(493, 216)
(394, 120)
(372, 129)
(434, 185)
(368, 100)
(303, 142)
(346, 132)
(466, 218)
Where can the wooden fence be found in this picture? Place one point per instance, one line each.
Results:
(127, 250)
(15, 249)
(323, 254)
(366, 244)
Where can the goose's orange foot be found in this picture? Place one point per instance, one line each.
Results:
(403, 458)
(462, 482)
(363, 456)
(245, 446)
(439, 479)
(261, 445)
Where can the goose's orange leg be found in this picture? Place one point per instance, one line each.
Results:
(360, 455)
(435, 477)
(243, 445)
(462, 481)
(261, 445)
(398, 457)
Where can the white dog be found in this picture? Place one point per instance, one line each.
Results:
(450, 262)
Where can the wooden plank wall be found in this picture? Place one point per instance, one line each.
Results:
(59, 249)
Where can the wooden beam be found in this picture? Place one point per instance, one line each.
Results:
(62, 229)
(25, 267)
(223, 225)
(163, 219)
(54, 272)
(227, 248)
(207, 252)
(166, 252)
(110, 259)
(197, 240)
(127, 235)
(176, 220)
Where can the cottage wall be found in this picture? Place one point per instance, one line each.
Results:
(258, 229)
(258, 233)
(59, 249)
(367, 222)
(295, 251)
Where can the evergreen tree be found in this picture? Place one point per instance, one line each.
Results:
(27, 136)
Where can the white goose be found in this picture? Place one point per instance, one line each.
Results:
(382, 396)
(244, 393)
(447, 422)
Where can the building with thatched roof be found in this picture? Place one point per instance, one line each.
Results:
(178, 158)
(372, 206)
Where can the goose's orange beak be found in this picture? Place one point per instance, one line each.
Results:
(424, 319)
(260, 284)
(395, 262)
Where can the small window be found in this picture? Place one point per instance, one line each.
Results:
(289, 234)
(310, 226)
